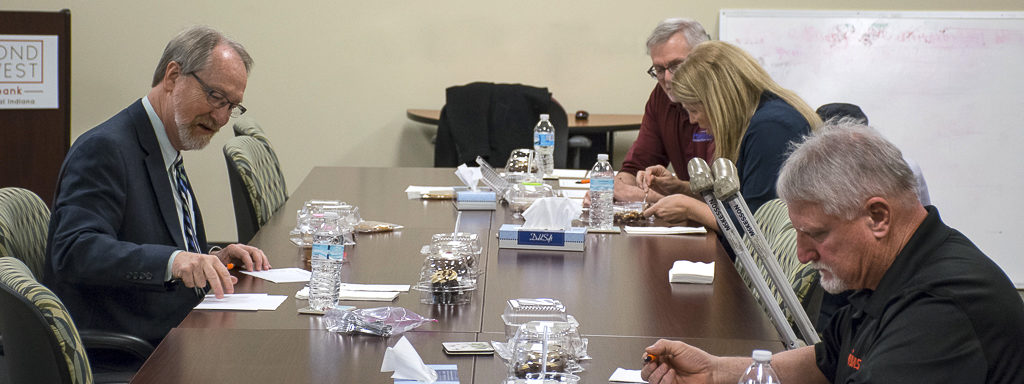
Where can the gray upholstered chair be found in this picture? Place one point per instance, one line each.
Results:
(773, 219)
(257, 185)
(24, 219)
(245, 126)
(41, 343)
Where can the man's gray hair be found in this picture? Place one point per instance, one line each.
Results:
(841, 166)
(191, 50)
(691, 29)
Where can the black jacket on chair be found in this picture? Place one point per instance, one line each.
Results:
(490, 120)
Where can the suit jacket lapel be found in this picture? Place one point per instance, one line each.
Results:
(157, 171)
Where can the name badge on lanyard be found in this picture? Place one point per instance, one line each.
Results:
(702, 136)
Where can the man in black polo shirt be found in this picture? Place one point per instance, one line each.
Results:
(928, 305)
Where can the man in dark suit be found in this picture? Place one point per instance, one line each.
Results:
(127, 250)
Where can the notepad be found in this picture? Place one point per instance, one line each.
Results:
(243, 302)
(375, 287)
(367, 295)
(282, 275)
(626, 376)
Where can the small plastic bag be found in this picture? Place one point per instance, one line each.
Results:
(376, 226)
(381, 321)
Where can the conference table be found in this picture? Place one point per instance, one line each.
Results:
(617, 289)
(604, 124)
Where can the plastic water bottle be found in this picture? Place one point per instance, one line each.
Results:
(327, 257)
(544, 145)
(602, 187)
(760, 371)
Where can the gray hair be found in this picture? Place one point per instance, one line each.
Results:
(191, 50)
(691, 30)
(841, 166)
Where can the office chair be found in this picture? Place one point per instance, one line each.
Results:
(24, 218)
(41, 343)
(490, 120)
(257, 185)
(773, 219)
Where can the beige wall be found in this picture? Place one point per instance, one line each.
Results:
(332, 80)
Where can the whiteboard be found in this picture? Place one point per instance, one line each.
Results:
(946, 87)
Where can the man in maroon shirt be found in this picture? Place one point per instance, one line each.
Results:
(666, 134)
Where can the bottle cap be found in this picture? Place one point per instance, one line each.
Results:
(544, 116)
(602, 157)
(762, 356)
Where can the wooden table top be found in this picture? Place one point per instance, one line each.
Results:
(617, 289)
(595, 123)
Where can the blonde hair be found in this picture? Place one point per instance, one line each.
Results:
(728, 82)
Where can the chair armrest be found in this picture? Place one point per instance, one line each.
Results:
(94, 339)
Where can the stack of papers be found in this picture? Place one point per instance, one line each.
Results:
(371, 292)
(665, 230)
(282, 275)
(243, 302)
(690, 272)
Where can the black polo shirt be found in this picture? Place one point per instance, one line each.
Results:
(943, 312)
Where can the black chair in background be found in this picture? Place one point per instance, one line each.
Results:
(490, 120)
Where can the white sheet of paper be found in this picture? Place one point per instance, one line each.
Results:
(665, 230)
(570, 173)
(572, 184)
(243, 302)
(282, 275)
(367, 295)
(375, 287)
(626, 376)
(574, 193)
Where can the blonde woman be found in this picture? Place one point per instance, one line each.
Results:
(752, 119)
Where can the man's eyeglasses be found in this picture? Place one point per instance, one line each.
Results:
(656, 71)
(218, 100)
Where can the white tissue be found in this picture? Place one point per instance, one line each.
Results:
(469, 176)
(551, 213)
(684, 271)
(406, 363)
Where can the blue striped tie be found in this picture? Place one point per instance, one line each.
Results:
(184, 189)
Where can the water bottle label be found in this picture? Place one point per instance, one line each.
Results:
(336, 252)
(328, 251)
(543, 139)
(602, 184)
(320, 250)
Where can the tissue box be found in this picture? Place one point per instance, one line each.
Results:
(466, 200)
(513, 236)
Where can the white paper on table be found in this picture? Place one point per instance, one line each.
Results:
(375, 287)
(626, 376)
(415, 191)
(367, 295)
(243, 302)
(574, 193)
(282, 275)
(572, 184)
(570, 173)
(665, 230)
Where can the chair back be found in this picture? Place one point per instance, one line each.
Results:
(41, 343)
(490, 120)
(24, 219)
(773, 219)
(257, 186)
(245, 126)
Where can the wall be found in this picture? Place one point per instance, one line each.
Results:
(332, 80)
